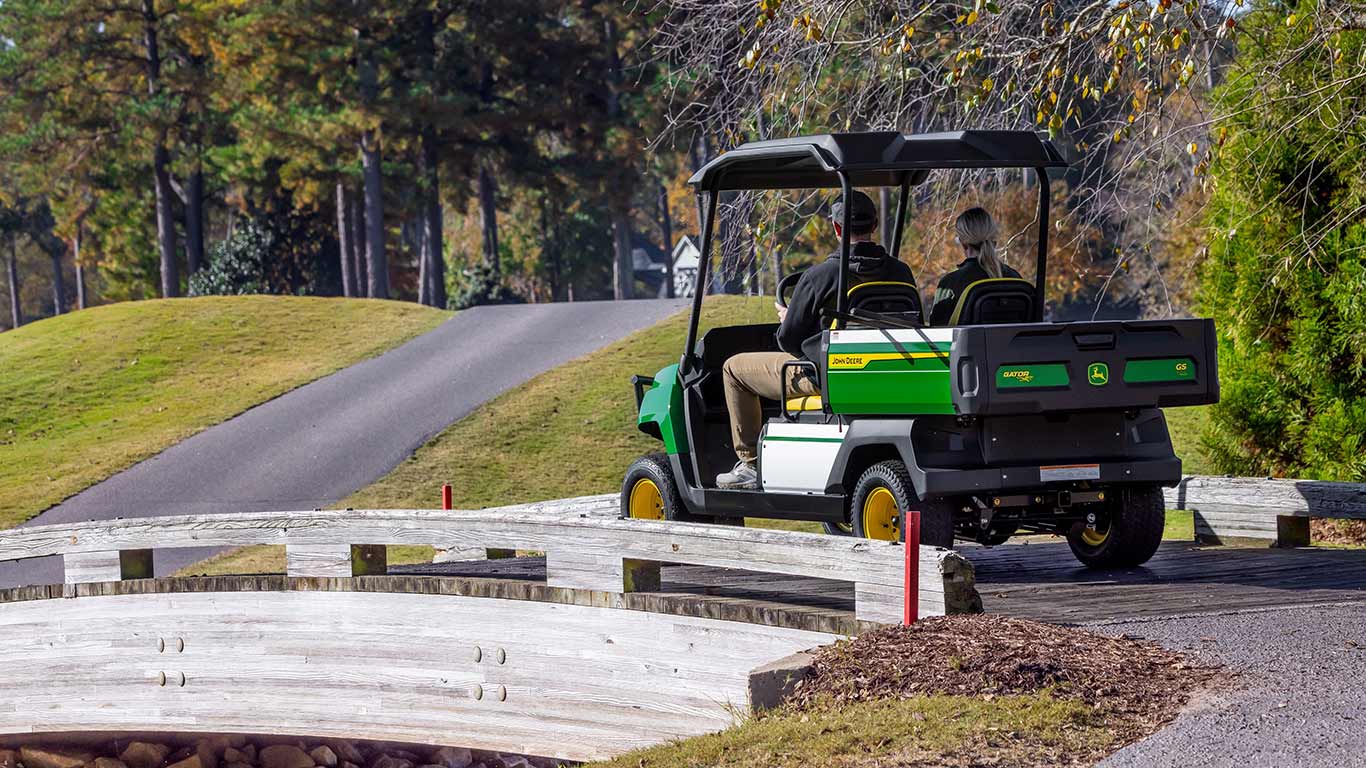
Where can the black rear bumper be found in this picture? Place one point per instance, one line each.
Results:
(962, 482)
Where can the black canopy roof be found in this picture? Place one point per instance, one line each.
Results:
(873, 159)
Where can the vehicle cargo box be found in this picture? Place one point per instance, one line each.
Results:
(1099, 365)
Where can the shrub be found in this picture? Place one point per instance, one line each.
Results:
(1286, 275)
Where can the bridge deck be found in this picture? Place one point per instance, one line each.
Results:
(1041, 580)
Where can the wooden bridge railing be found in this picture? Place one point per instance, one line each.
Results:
(586, 547)
(1266, 511)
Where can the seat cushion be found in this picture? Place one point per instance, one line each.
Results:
(805, 403)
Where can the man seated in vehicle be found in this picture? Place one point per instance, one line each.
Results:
(749, 376)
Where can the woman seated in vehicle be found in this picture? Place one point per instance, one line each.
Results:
(977, 234)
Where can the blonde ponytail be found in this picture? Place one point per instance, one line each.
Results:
(977, 232)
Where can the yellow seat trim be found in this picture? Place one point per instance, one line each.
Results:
(835, 325)
(962, 298)
(805, 403)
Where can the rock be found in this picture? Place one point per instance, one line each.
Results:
(403, 754)
(508, 761)
(234, 755)
(143, 754)
(453, 757)
(249, 752)
(349, 764)
(324, 756)
(235, 765)
(8, 758)
(35, 757)
(386, 761)
(346, 751)
(545, 762)
(193, 761)
(285, 756)
(108, 762)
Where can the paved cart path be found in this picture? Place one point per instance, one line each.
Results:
(1297, 696)
(318, 444)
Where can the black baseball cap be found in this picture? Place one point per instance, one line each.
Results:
(863, 215)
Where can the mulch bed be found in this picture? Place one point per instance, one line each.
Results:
(1135, 685)
(1341, 532)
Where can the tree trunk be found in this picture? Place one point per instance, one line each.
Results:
(16, 311)
(348, 265)
(623, 270)
(161, 177)
(81, 302)
(377, 265)
(666, 228)
(489, 215)
(376, 262)
(888, 219)
(433, 237)
(194, 218)
(358, 246)
(58, 283)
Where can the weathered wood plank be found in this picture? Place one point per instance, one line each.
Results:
(569, 681)
(589, 537)
(1300, 498)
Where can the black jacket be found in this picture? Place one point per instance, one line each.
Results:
(817, 289)
(954, 283)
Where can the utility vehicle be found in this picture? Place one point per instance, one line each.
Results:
(997, 424)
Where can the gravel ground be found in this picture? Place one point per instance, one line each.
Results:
(1297, 697)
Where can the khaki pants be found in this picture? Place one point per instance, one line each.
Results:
(749, 376)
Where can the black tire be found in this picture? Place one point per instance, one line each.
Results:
(1131, 524)
(936, 517)
(655, 468)
(839, 529)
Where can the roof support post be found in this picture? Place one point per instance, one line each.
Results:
(901, 214)
(842, 298)
(1041, 265)
(700, 282)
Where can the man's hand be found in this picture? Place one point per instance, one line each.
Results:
(782, 311)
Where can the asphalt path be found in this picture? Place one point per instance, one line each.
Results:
(318, 444)
(1296, 696)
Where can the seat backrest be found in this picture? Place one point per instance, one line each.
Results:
(885, 297)
(995, 301)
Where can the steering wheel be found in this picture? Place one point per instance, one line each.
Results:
(786, 286)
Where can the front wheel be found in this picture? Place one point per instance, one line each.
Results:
(1125, 532)
(883, 492)
(650, 492)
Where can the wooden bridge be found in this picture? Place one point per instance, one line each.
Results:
(611, 634)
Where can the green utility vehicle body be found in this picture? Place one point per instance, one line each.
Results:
(987, 429)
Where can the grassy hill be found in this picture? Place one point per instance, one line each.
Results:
(91, 393)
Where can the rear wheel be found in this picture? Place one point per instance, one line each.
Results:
(1126, 531)
(882, 493)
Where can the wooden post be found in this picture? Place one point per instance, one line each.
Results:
(88, 567)
(911, 534)
(336, 560)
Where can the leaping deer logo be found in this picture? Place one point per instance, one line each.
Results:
(1098, 374)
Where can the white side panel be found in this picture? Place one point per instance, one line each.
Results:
(796, 458)
(883, 336)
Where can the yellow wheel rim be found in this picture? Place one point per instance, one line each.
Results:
(1094, 538)
(646, 503)
(881, 518)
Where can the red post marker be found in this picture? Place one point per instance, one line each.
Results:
(446, 496)
(911, 601)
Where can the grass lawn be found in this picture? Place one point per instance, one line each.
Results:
(88, 394)
(1186, 425)
(1019, 730)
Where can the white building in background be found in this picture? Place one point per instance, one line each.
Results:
(685, 257)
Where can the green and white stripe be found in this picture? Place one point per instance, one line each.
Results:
(890, 372)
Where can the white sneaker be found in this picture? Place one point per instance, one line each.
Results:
(744, 476)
